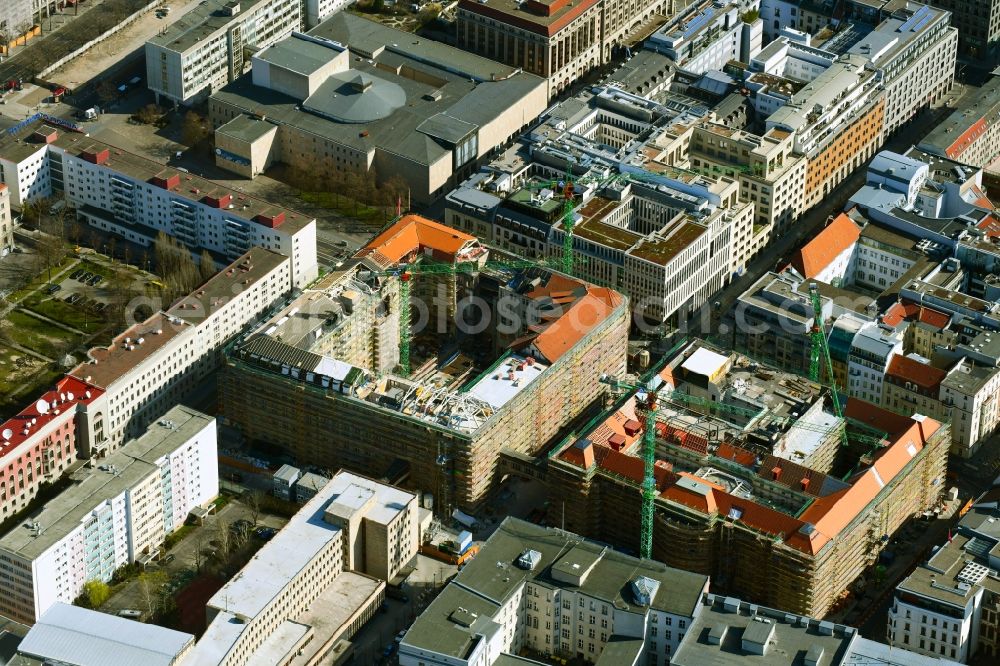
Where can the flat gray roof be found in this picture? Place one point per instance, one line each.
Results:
(246, 128)
(132, 463)
(298, 55)
(488, 580)
(454, 88)
(204, 20)
(793, 636)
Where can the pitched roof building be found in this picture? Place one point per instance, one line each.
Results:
(827, 256)
(787, 523)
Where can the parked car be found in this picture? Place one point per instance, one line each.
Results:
(73, 298)
(130, 613)
(94, 281)
(100, 307)
(75, 275)
(169, 558)
(86, 276)
(399, 636)
(389, 649)
(53, 288)
(265, 533)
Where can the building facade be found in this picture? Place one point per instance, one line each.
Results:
(596, 604)
(949, 606)
(208, 47)
(157, 362)
(39, 443)
(559, 41)
(309, 586)
(871, 351)
(971, 134)
(119, 514)
(135, 198)
(6, 222)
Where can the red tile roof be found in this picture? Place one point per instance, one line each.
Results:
(61, 401)
(925, 376)
(826, 246)
(736, 454)
(904, 310)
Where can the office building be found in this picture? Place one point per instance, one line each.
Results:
(971, 134)
(357, 96)
(914, 51)
(381, 531)
(559, 595)
(153, 364)
(950, 604)
(706, 36)
(208, 47)
(732, 632)
(556, 40)
(765, 527)
(114, 515)
(978, 25)
(311, 584)
(74, 636)
(42, 441)
(135, 198)
(872, 349)
(329, 365)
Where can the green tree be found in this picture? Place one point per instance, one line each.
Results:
(95, 593)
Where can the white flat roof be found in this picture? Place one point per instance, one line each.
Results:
(72, 635)
(350, 490)
(497, 389)
(704, 362)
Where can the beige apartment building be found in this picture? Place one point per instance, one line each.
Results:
(771, 176)
(559, 40)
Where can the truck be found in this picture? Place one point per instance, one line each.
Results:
(88, 114)
(447, 553)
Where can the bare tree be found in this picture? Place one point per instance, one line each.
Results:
(224, 544)
(206, 265)
(106, 92)
(150, 587)
(251, 499)
(194, 130)
(199, 554)
(50, 252)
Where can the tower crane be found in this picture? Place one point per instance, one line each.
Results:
(647, 406)
(820, 351)
(405, 273)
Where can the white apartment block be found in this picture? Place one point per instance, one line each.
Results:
(914, 50)
(24, 169)
(872, 348)
(157, 362)
(135, 198)
(6, 222)
(558, 594)
(970, 392)
(949, 606)
(706, 36)
(318, 11)
(209, 46)
(118, 514)
(300, 591)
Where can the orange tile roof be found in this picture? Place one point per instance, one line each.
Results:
(559, 336)
(413, 234)
(906, 369)
(818, 253)
(792, 475)
(934, 318)
(61, 403)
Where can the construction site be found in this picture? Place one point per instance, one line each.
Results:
(422, 359)
(752, 476)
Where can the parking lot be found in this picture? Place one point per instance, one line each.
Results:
(186, 572)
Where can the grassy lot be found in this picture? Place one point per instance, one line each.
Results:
(38, 335)
(344, 206)
(63, 312)
(58, 274)
(22, 377)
